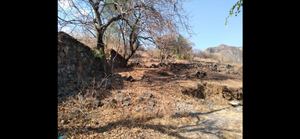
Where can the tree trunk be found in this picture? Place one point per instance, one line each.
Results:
(125, 62)
(100, 46)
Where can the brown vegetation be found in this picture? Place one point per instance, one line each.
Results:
(138, 120)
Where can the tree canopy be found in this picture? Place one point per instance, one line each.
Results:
(235, 6)
(139, 19)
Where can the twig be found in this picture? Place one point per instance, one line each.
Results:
(113, 87)
(105, 78)
(80, 98)
(96, 122)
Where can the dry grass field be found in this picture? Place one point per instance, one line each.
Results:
(153, 116)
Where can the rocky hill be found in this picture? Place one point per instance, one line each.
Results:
(230, 53)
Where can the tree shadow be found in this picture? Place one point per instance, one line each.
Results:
(206, 126)
(126, 123)
(101, 90)
(164, 129)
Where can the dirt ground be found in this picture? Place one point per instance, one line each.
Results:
(210, 117)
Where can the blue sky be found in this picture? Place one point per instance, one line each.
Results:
(208, 21)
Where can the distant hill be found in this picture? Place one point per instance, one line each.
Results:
(229, 53)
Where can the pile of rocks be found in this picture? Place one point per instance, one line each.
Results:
(121, 101)
(197, 74)
(212, 66)
(182, 107)
(147, 99)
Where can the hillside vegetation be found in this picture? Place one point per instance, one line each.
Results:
(226, 54)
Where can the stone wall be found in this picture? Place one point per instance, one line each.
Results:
(76, 65)
(119, 60)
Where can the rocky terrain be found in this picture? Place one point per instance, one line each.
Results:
(152, 99)
(174, 100)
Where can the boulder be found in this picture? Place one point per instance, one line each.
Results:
(120, 97)
(236, 103)
(126, 103)
(227, 95)
(149, 95)
(111, 103)
(129, 78)
(98, 103)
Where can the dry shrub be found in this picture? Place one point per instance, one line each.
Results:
(152, 52)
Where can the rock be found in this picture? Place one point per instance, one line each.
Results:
(98, 103)
(129, 79)
(212, 68)
(209, 104)
(141, 100)
(194, 114)
(117, 75)
(128, 99)
(137, 109)
(152, 104)
(149, 95)
(120, 97)
(215, 65)
(62, 121)
(111, 103)
(198, 74)
(203, 73)
(196, 119)
(190, 102)
(228, 66)
(236, 103)
(176, 115)
(240, 73)
(126, 103)
(227, 96)
(142, 77)
(61, 116)
(149, 109)
(233, 72)
(238, 109)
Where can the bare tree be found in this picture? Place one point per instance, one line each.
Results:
(175, 44)
(152, 18)
(201, 54)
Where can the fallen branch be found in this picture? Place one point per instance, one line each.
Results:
(96, 122)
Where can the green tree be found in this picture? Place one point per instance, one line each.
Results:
(235, 6)
(175, 44)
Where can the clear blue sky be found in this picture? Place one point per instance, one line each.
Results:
(208, 23)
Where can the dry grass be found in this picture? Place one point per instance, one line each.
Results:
(122, 122)
(205, 59)
(227, 83)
